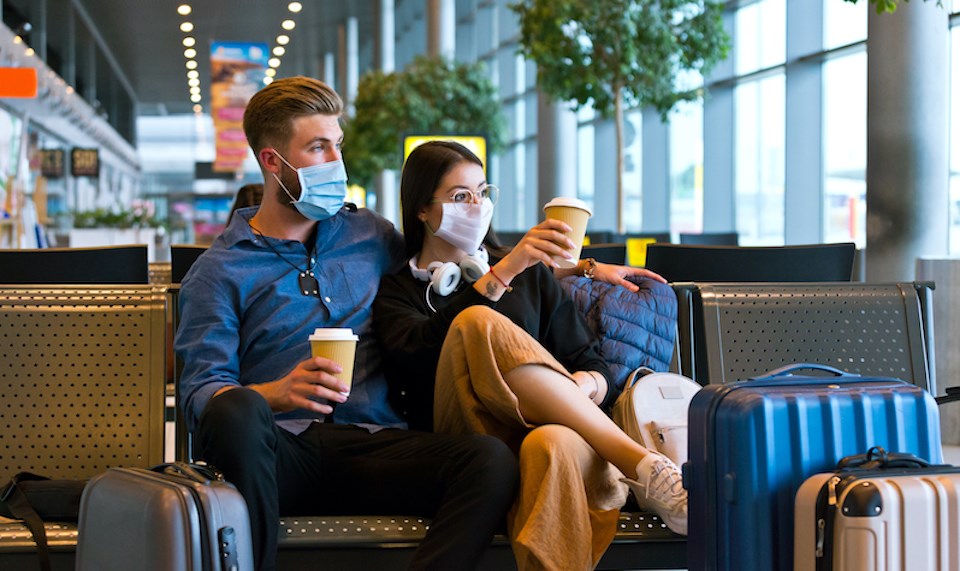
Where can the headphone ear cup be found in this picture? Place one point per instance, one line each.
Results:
(446, 278)
(473, 268)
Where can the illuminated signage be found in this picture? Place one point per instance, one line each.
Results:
(85, 162)
(51, 163)
(476, 144)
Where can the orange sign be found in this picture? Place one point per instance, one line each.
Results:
(20, 82)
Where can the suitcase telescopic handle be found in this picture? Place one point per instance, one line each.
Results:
(788, 370)
(202, 474)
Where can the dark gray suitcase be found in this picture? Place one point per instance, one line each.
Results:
(176, 517)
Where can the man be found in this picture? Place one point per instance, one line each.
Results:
(253, 396)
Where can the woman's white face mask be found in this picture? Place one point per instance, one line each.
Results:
(464, 228)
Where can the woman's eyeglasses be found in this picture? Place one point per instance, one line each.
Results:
(465, 198)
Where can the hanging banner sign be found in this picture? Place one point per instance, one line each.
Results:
(238, 70)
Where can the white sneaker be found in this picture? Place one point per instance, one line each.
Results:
(659, 488)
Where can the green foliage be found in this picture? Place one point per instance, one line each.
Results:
(430, 96)
(588, 50)
(139, 215)
(889, 5)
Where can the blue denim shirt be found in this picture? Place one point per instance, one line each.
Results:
(244, 319)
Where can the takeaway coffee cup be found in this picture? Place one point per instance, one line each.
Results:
(575, 213)
(338, 345)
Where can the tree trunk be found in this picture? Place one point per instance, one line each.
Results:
(618, 105)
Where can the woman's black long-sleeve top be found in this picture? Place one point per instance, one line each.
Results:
(411, 334)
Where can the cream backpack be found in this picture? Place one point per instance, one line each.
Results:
(653, 411)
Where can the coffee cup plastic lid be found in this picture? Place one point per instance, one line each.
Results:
(333, 334)
(568, 201)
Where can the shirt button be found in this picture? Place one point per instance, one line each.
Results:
(327, 299)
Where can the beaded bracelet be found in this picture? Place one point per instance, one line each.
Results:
(503, 283)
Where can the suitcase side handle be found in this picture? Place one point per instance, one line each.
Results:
(788, 370)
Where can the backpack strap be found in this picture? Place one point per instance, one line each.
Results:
(19, 506)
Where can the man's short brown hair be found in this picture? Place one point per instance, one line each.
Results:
(268, 119)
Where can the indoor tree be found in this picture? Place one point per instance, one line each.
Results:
(430, 96)
(621, 53)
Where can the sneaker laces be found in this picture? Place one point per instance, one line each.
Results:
(664, 481)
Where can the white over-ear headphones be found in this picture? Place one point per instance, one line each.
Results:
(444, 277)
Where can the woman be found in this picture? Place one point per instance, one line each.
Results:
(509, 355)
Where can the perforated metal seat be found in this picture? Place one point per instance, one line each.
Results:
(82, 381)
(741, 330)
(106, 408)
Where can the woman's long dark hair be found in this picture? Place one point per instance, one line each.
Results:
(422, 172)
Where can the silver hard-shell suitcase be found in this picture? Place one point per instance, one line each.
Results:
(176, 517)
(888, 516)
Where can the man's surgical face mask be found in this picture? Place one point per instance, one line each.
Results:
(323, 189)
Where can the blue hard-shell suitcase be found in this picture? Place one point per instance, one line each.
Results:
(753, 443)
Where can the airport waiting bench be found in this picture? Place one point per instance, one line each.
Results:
(733, 331)
(107, 409)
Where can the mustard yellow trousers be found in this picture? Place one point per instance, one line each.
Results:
(566, 513)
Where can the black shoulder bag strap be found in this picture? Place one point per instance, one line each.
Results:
(21, 508)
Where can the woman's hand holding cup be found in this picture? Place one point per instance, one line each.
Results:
(542, 243)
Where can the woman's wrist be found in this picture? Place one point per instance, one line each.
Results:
(601, 384)
(587, 383)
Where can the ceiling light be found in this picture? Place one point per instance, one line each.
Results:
(274, 62)
(193, 81)
(283, 39)
(294, 7)
(270, 72)
(183, 9)
(279, 51)
(17, 39)
(194, 91)
(267, 80)
(288, 24)
(197, 109)
(186, 27)
(193, 74)
(28, 52)
(189, 41)
(191, 64)
(195, 98)
(70, 89)
(189, 53)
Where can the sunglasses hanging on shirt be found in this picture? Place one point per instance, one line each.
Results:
(306, 278)
(308, 283)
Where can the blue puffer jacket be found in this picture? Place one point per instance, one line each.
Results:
(635, 329)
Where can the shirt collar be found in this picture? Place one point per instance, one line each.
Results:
(239, 229)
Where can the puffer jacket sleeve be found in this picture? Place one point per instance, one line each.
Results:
(634, 329)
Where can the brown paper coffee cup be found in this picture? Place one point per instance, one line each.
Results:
(338, 345)
(576, 214)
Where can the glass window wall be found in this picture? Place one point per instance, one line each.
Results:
(955, 130)
(686, 168)
(845, 148)
(759, 42)
(844, 23)
(759, 161)
(633, 170)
